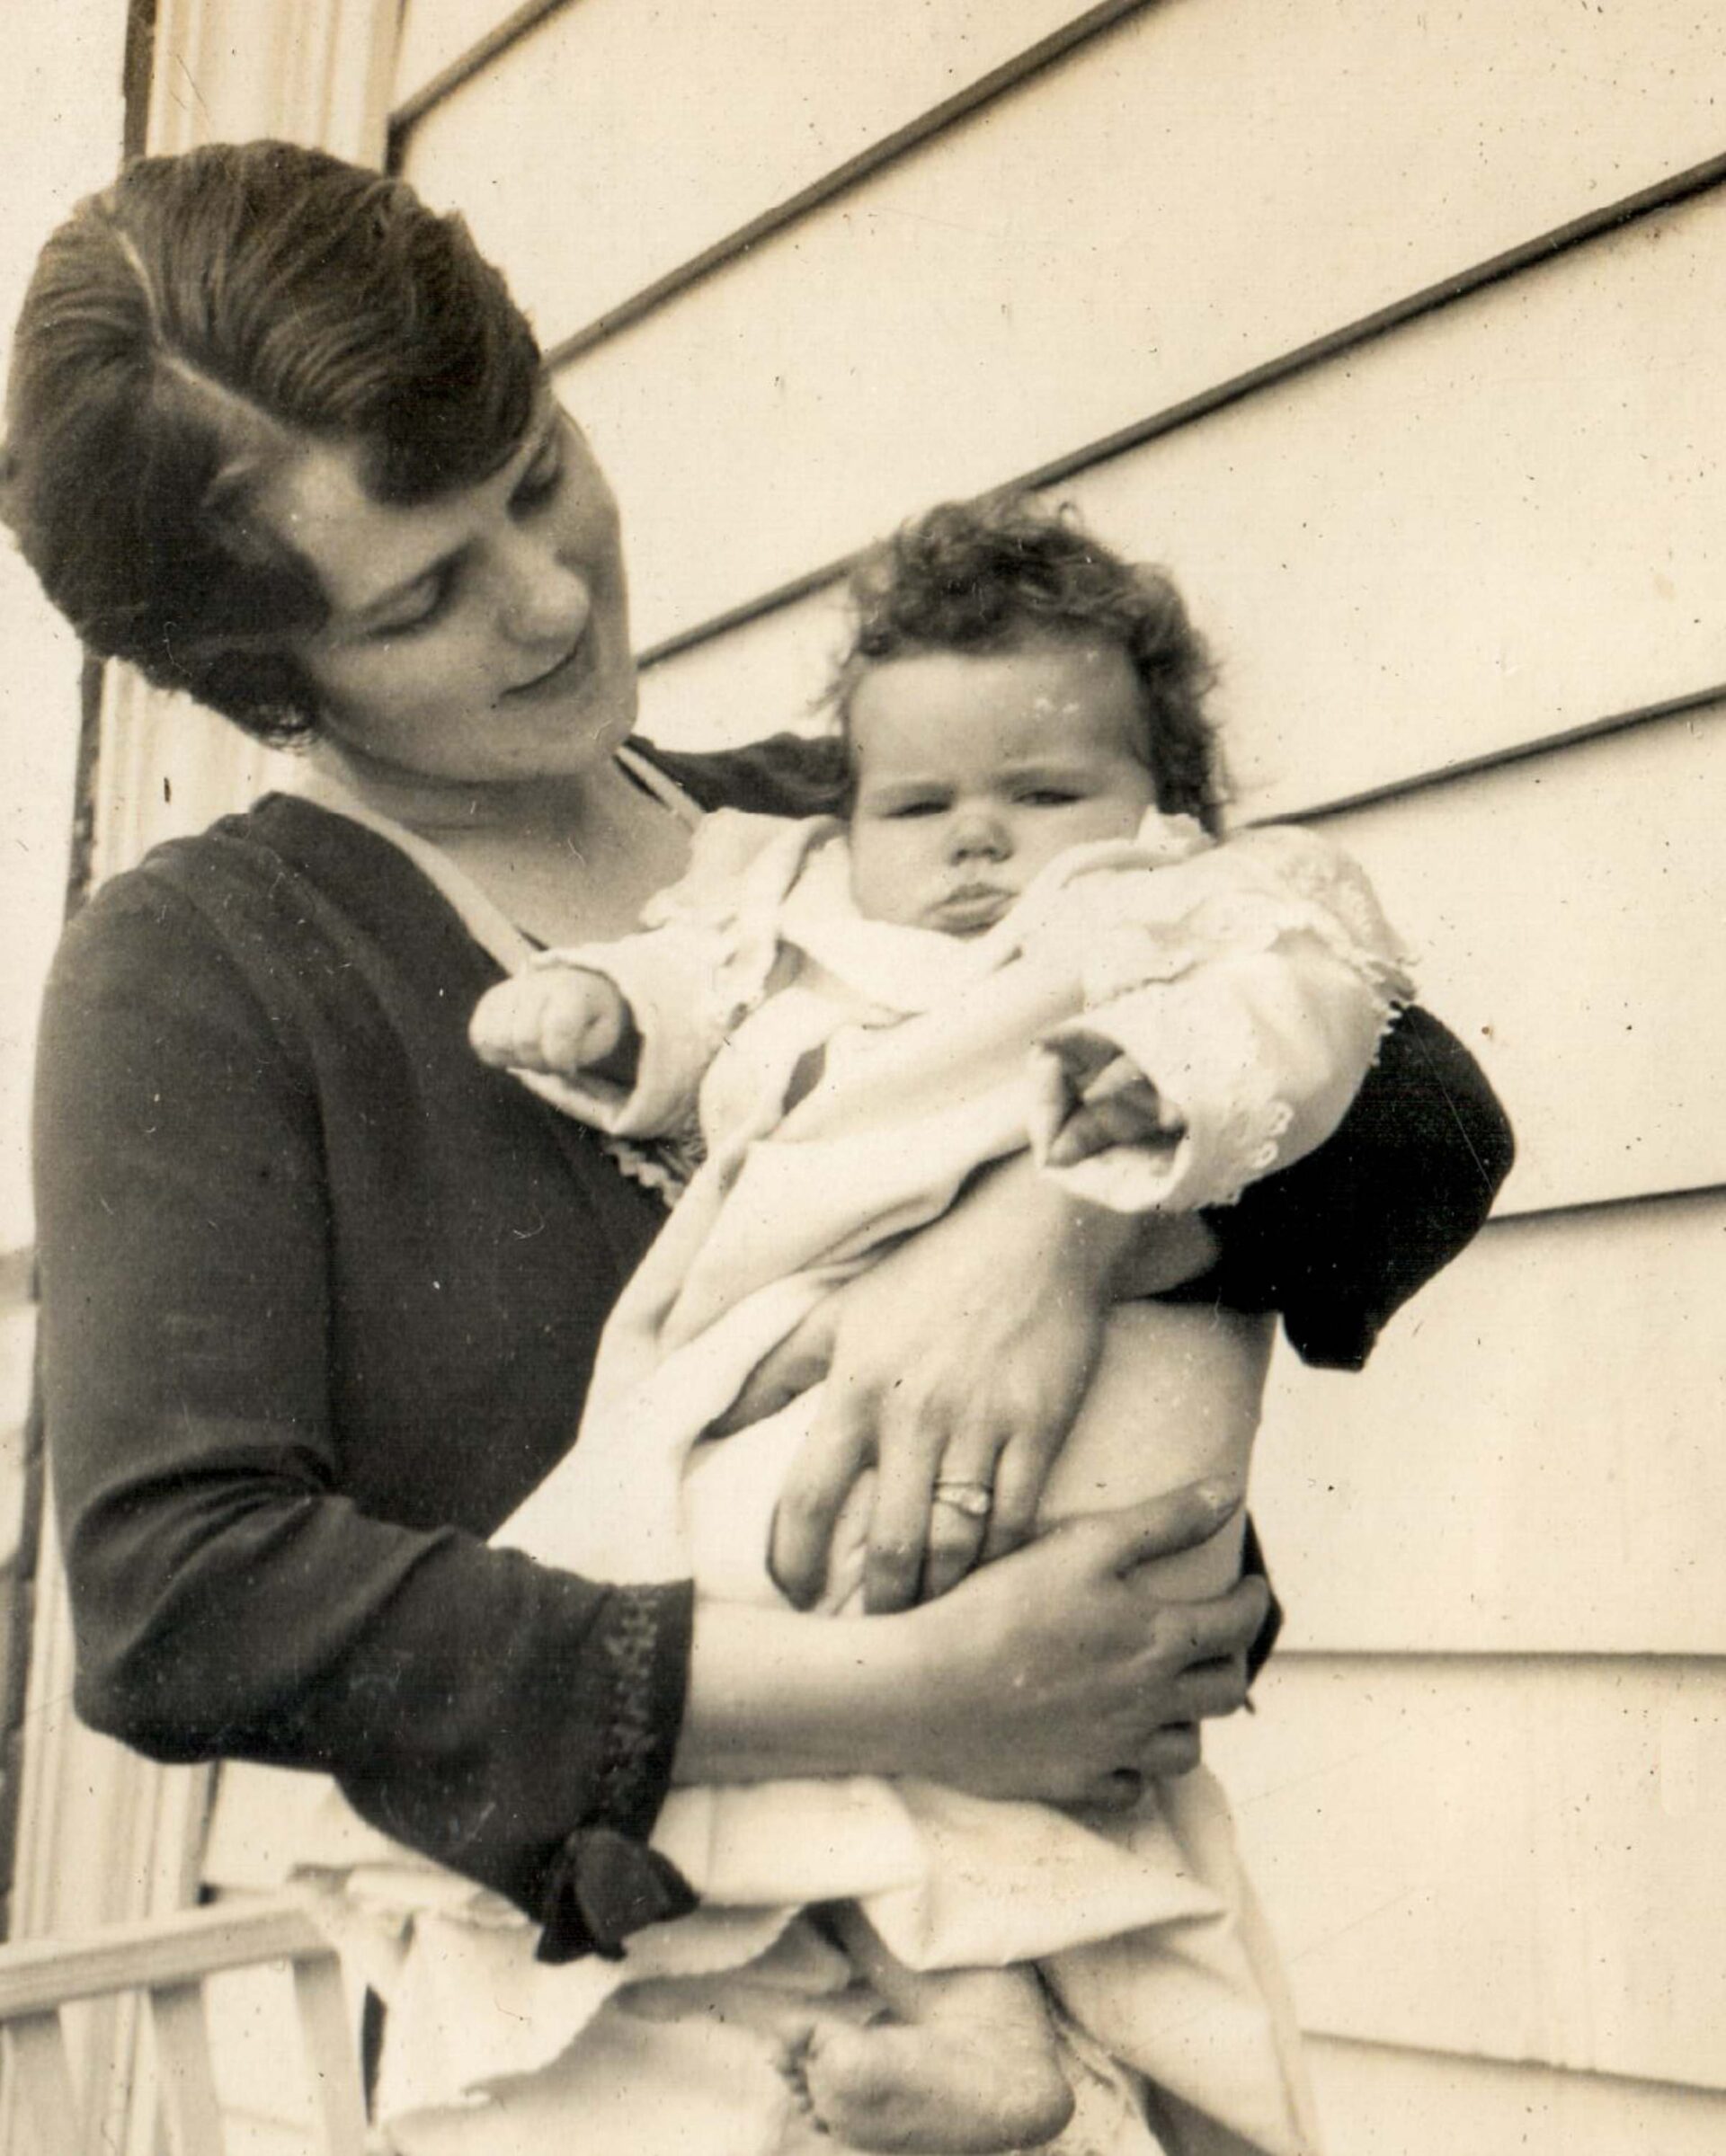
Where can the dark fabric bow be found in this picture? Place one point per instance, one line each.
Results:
(603, 1887)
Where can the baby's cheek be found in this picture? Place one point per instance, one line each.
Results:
(887, 877)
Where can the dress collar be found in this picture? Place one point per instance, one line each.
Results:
(484, 919)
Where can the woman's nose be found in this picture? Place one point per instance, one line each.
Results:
(545, 600)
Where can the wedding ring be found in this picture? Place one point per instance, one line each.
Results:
(974, 1499)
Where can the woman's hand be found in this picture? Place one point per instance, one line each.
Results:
(955, 1368)
(1073, 1680)
(1060, 1674)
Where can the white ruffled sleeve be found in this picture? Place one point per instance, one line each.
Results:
(699, 964)
(1250, 984)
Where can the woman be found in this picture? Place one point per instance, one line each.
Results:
(321, 1292)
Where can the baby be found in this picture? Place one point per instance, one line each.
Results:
(1025, 932)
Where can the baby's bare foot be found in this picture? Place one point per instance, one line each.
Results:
(938, 2089)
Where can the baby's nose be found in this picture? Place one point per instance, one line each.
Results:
(980, 834)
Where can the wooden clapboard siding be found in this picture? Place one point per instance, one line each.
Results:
(1568, 914)
(1504, 522)
(1330, 306)
(1379, 2102)
(1531, 1463)
(437, 41)
(1517, 1859)
(755, 678)
(989, 305)
(1444, 545)
(659, 132)
(1439, 107)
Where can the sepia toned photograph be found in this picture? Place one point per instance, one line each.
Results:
(860, 1273)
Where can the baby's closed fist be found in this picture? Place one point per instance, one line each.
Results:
(560, 1019)
(1099, 1100)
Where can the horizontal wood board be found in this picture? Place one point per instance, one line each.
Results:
(1379, 2102)
(1437, 549)
(946, 326)
(1521, 1860)
(658, 130)
(435, 35)
(1567, 915)
(1531, 1463)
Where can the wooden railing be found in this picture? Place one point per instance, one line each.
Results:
(168, 1962)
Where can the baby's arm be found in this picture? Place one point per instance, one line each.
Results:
(1233, 1010)
(620, 1035)
(562, 1020)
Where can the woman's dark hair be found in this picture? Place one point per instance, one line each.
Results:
(985, 576)
(184, 331)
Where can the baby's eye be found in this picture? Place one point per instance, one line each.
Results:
(900, 809)
(1048, 797)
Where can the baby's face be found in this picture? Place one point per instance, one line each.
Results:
(974, 771)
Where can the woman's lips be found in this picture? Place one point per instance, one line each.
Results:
(555, 673)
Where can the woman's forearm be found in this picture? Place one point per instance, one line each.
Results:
(1081, 1249)
(773, 1693)
(1047, 1675)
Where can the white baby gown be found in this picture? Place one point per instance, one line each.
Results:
(851, 1077)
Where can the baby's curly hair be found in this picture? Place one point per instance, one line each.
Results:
(982, 576)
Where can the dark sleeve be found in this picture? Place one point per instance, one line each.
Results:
(1340, 1241)
(229, 1600)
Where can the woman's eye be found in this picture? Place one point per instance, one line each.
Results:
(541, 476)
(425, 609)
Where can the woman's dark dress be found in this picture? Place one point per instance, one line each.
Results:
(320, 1298)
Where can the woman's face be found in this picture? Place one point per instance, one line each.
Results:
(479, 637)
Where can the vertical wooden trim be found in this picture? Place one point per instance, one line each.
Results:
(314, 71)
(332, 2056)
(37, 2046)
(136, 73)
(188, 2080)
(30, 1761)
(144, 1826)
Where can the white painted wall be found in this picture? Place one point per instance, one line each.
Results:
(1486, 1789)
(59, 138)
